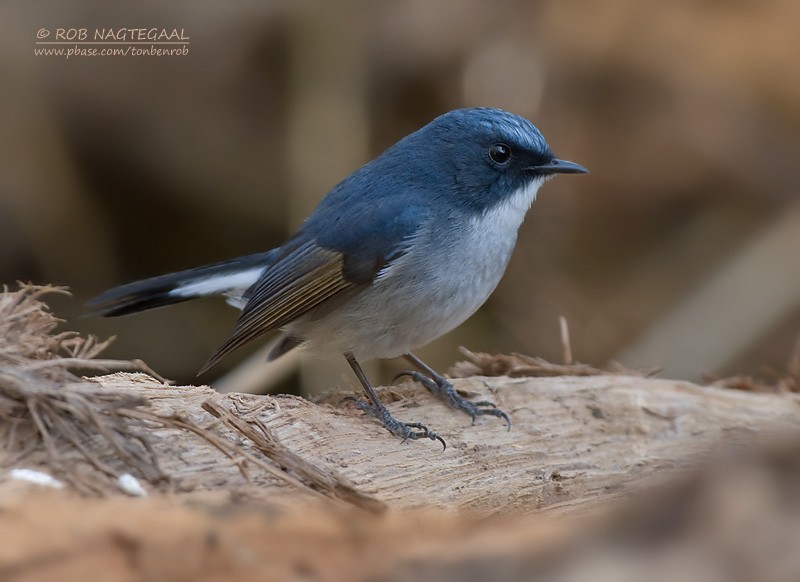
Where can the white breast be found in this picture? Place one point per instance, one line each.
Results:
(425, 294)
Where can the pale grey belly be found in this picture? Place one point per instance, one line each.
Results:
(409, 307)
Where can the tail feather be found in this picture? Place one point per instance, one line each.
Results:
(216, 279)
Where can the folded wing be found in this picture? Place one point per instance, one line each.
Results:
(307, 273)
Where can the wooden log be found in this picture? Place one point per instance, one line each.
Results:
(548, 495)
(574, 441)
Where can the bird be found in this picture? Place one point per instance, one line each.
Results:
(399, 253)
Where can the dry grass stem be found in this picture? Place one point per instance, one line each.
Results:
(89, 435)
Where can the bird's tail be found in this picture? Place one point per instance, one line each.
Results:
(217, 279)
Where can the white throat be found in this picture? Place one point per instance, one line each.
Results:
(507, 216)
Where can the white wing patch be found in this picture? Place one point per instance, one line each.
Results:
(227, 284)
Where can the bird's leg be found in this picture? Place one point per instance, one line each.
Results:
(442, 388)
(379, 411)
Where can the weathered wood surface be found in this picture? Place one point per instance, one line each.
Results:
(561, 487)
(573, 441)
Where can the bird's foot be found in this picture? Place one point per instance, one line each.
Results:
(442, 388)
(407, 430)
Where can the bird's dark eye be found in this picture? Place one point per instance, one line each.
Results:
(500, 153)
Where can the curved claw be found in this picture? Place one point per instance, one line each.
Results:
(402, 429)
(423, 433)
(427, 433)
(492, 412)
(505, 417)
(445, 390)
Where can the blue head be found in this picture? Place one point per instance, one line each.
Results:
(474, 157)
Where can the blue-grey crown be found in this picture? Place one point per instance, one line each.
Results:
(518, 130)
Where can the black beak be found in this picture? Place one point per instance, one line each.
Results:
(556, 166)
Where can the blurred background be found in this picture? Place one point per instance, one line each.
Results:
(681, 249)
